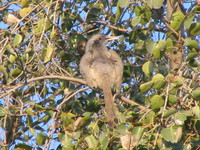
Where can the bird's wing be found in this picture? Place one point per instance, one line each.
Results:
(119, 67)
(86, 69)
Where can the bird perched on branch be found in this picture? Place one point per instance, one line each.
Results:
(103, 68)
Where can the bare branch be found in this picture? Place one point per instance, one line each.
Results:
(112, 27)
(70, 96)
(6, 6)
(80, 81)
(133, 103)
(173, 31)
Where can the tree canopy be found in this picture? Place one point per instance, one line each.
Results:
(46, 104)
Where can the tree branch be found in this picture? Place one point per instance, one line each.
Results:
(71, 79)
(172, 30)
(132, 102)
(6, 6)
(111, 26)
(70, 96)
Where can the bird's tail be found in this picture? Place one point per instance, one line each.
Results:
(109, 105)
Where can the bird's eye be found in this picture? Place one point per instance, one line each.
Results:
(99, 38)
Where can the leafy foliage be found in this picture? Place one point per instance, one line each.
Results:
(44, 103)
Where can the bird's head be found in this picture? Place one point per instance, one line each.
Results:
(99, 40)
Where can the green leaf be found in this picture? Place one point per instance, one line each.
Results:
(189, 21)
(157, 102)
(24, 11)
(3, 71)
(148, 68)
(139, 46)
(41, 138)
(146, 87)
(149, 118)
(137, 133)
(12, 58)
(144, 12)
(193, 63)
(24, 3)
(32, 131)
(121, 128)
(30, 122)
(155, 4)
(139, 10)
(17, 40)
(191, 56)
(40, 26)
(38, 107)
(29, 111)
(15, 72)
(172, 99)
(49, 53)
(67, 25)
(174, 91)
(149, 43)
(195, 29)
(118, 13)
(98, 6)
(65, 140)
(3, 112)
(94, 127)
(22, 146)
(132, 37)
(135, 21)
(172, 134)
(158, 81)
(176, 81)
(169, 45)
(70, 115)
(196, 93)
(47, 116)
(9, 47)
(177, 20)
(123, 3)
(169, 112)
(67, 121)
(131, 140)
(158, 49)
(104, 140)
(191, 44)
(91, 141)
(121, 117)
(180, 118)
(81, 121)
(196, 111)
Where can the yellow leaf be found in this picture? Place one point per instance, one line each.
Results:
(49, 53)
(23, 12)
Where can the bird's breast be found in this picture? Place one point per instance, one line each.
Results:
(103, 70)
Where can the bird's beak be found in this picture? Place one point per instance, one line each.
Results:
(110, 38)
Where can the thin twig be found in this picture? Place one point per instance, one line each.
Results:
(133, 103)
(70, 96)
(3, 48)
(172, 30)
(145, 114)
(111, 26)
(117, 28)
(52, 129)
(6, 6)
(157, 135)
(16, 26)
(165, 104)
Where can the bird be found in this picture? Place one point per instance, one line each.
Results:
(103, 68)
